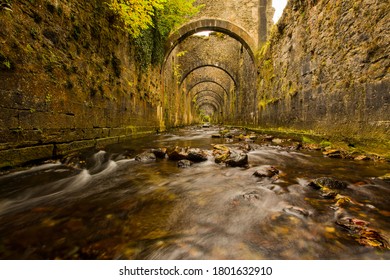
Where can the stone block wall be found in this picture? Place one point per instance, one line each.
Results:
(326, 70)
(68, 79)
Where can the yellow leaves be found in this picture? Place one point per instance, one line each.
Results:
(136, 15)
(342, 200)
(330, 229)
(139, 15)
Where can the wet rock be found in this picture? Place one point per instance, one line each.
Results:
(385, 177)
(296, 146)
(341, 200)
(328, 194)
(333, 153)
(277, 141)
(160, 152)
(268, 138)
(296, 211)
(312, 147)
(221, 153)
(177, 153)
(252, 137)
(247, 197)
(233, 158)
(146, 157)
(196, 155)
(245, 147)
(360, 231)
(362, 158)
(184, 163)
(216, 136)
(237, 159)
(251, 196)
(266, 171)
(206, 125)
(329, 183)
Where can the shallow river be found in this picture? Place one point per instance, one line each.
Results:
(106, 205)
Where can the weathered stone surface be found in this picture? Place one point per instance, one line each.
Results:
(63, 149)
(12, 158)
(184, 163)
(160, 153)
(178, 153)
(146, 157)
(321, 85)
(196, 155)
(237, 159)
(70, 82)
(266, 171)
(327, 182)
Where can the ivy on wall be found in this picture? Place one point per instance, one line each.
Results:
(149, 23)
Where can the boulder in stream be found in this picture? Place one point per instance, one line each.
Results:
(184, 163)
(177, 153)
(146, 157)
(237, 159)
(196, 155)
(266, 172)
(160, 152)
(329, 183)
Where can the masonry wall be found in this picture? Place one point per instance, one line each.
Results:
(69, 80)
(326, 69)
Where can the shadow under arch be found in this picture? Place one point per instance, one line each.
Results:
(209, 101)
(202, 65)
(212, 24)
(211, 82)
(214, 93)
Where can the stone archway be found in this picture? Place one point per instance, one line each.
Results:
(214, 24)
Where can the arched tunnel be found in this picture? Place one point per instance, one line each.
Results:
(210, 76)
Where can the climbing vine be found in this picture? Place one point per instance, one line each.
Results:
(149, 23)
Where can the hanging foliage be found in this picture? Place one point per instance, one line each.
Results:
(163, 15)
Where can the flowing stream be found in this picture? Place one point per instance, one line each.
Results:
(107, 205)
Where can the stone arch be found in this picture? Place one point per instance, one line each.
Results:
(211, 101)
(218, 77)
(212, 24)
(213, 93)
(211, 82)
(202, 65)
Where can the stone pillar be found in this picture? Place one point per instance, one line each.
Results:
(262, 22)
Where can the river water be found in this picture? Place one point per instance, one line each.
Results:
(106, 205)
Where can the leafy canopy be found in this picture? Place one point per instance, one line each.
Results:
(163, 15)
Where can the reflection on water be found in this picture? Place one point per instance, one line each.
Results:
(109, 206)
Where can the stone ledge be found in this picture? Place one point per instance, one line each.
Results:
(11, 158)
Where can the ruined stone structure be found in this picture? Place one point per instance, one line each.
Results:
(242, 27)
(70, 80)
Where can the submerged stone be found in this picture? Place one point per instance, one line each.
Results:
(146, 157)
(364, 235)
(327, 182)
(266, 171)
(184, 163)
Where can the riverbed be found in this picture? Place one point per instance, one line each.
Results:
(107, 205)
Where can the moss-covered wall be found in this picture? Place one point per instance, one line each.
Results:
(69, 80)
(326, 70)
